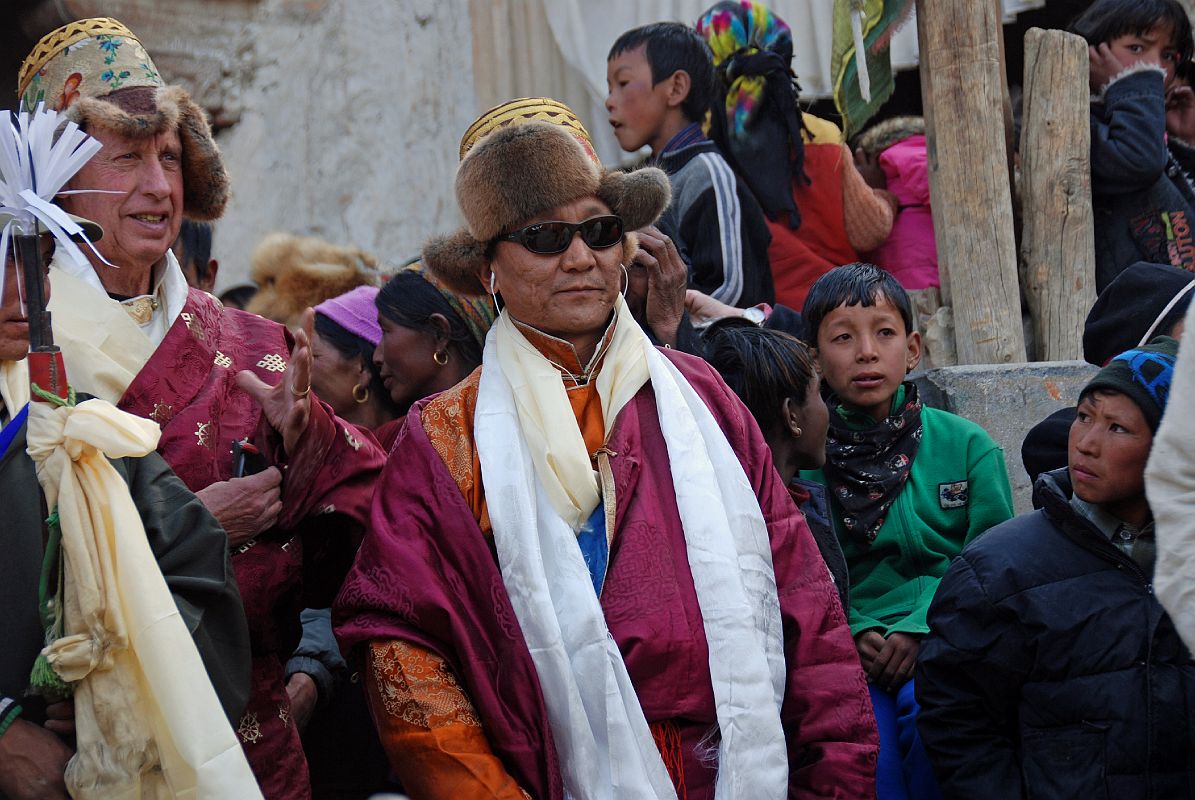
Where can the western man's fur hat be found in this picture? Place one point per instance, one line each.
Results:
(520, 171)
(98, 72)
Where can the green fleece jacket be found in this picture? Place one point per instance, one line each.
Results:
(957, 489)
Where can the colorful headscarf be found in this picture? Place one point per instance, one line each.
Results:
(474, 313)
(760, 129)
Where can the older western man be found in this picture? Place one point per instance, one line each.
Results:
(288, 480)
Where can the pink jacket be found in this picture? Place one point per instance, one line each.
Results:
(909, 253)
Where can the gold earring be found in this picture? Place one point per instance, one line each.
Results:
(363, 396)
(440, 357)
(796, 433)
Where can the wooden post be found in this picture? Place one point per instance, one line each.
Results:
(968, 161)
(1058, 244)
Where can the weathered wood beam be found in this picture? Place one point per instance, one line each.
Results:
(1058, 238)
(968, 159)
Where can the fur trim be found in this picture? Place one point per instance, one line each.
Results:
(639, 197)
(205, 180)
(458, 261)
(882, 135)
(1131, 69)
(517, 172)
(294, 272)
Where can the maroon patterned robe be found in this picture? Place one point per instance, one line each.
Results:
(188, 387)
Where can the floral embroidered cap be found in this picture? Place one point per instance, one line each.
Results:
(98, 56)
(99, 73)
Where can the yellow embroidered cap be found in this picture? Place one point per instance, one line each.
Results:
(85, 58)
(528, 109)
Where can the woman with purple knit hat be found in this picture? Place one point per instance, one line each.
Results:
(343, 372)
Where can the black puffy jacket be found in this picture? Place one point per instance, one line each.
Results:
(1051, 671)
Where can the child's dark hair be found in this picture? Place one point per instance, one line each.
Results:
(672, 46)
(851, 285)
(1105, 20)
(760, 365)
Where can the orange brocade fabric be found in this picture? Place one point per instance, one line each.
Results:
(427, 724)
(448, 420)
(423, 717)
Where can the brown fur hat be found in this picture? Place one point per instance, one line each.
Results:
(142, 112)
(294, 272)
(521, 171)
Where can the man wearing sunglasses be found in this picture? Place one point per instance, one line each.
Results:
(581, 563)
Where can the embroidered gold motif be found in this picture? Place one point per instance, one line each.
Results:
(328, 509)
(192, 325)
(249, 730)
(222, 360)
(353, 443)
(284, 715)
(141, 309)
(203, 434)
(161, 413)
(417, 687)
(272, 362)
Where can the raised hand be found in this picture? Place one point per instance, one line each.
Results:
(287, 405)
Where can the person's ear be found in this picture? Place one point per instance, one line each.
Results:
(679, 84)
(441, 329)
(790, 417)
(914, 351)
(213, 269)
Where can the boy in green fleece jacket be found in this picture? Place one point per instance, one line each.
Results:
(909, 487)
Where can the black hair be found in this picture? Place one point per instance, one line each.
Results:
(850, 285)
(408, 299)
(351, 346)
(238, 296)
(761, 365)
(672, 46)
(1105, 20)
(195, 241)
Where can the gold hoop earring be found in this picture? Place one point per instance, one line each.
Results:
(797, 433)
(362, 397)
(440, 357)
(626, 280)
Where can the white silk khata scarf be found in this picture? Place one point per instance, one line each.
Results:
(606, 748)
(147, 720)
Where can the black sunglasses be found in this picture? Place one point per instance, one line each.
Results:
(548, 238)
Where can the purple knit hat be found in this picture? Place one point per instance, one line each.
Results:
(355, 312)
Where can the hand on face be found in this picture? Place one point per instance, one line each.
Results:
(666, 278)
(287, 405)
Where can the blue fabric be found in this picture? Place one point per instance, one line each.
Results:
(594, 547)
(903, 771)
(14, 426)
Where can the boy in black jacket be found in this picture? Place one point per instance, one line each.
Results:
(660, 79)
(1050, 669)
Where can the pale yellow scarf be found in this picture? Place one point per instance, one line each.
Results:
(548, 424)
(147, 720)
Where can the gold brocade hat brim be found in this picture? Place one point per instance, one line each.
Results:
(528, 109)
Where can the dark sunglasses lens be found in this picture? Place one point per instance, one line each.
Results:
(547, 237)
(602, 231)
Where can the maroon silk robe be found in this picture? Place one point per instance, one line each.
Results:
(426, 574)
(188, 387)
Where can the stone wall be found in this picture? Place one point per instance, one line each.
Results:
(1007, 400)
(337, 118)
